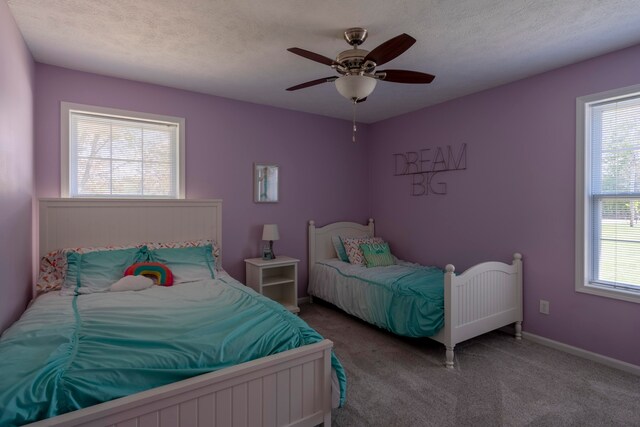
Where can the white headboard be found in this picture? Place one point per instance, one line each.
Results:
(320, 244)
(67, 223)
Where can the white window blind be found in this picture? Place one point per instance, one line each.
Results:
(120, 157)
(614, 197)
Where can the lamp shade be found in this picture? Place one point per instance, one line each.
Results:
(355, 87)
(270, 232)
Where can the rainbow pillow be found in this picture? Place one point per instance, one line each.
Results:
(159, 273)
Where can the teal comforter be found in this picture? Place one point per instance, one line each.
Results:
(67, 352)
(406, 299)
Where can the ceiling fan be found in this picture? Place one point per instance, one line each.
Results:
(357, 67)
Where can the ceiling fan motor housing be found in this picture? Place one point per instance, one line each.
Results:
(353, 61)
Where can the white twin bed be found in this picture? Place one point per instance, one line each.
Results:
(485, 297)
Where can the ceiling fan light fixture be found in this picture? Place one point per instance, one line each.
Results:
(355, 87)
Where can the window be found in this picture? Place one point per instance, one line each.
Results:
(608, 194)
(121, 154)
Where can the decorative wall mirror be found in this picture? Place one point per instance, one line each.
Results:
(265, 183)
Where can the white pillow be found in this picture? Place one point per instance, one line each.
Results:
(132, 283)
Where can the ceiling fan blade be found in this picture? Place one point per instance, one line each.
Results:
(313, 56)
(312, 83)
(361, 100)
(405, 76)
(390, 49)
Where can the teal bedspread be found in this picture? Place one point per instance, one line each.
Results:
(67, 352)
(406, 299)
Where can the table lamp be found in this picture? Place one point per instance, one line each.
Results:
(270, 233)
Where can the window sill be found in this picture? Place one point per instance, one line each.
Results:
(605, 291)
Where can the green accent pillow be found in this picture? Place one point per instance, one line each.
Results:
(377, 254)
(96, 271)
(339, 247)
(187, 264)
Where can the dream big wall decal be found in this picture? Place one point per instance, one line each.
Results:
(423, 166)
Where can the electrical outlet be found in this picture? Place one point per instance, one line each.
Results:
(544, 306)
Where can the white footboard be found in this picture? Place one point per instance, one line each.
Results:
(487, 296)
(289, 388)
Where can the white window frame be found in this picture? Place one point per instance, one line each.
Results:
(65, 118)
(584, 238)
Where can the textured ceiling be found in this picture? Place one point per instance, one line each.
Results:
(237, 49)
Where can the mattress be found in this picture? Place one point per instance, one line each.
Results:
(71, 352)
(406, 299)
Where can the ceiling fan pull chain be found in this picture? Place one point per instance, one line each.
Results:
(353, 139)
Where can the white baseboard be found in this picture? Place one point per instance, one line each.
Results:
(605, 360)
(303, 300)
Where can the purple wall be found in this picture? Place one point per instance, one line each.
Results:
(16, 169)
(323, 175)
(516, 195)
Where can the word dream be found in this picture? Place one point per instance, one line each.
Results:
(425, 164)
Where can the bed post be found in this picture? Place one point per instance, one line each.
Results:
(326, 388)
(449, 309)
(517, 263)
(371, 227)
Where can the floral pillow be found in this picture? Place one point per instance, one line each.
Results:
(352, 246)
(52, 271)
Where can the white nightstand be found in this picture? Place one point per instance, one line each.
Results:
(276, 279)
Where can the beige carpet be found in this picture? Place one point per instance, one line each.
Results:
(498, 381)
